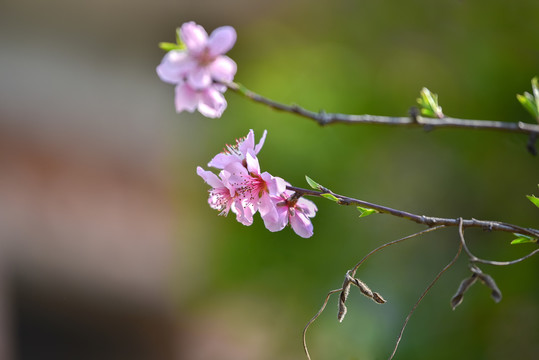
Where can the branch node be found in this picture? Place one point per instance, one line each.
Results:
(295, 108)
(429, 221)
(488, 226)
(414, 114)
(323, 118)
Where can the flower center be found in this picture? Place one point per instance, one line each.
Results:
(205, 58)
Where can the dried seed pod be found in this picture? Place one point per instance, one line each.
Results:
(342, 298)
(464, 286)
(365, 290)
(496, 294)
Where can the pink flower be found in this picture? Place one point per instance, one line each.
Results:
(223, 196)
(195, 70)
(210, 102)
(203, 61)
(254, 188)
(242, 188)
(293, 211)
(238, 152)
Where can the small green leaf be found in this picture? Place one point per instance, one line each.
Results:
(535, 89)
(312, 183)
(533, 199)
(169, 46)
(528, 103)
(427, 112)
(365, 212)
(428, 102)
(531, 102)
(522, 240)
(330, 197)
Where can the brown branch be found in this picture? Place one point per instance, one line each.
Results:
(430, 221)
(323, 118)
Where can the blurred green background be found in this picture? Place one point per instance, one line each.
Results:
(79, 92)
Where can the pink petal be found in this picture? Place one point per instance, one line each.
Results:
(247, 143)
(244, 214)
(274, 224)
(212, 103)
(238, 172)
(194, 36)
(266, 207)
(220, 87)
(221, 160)
(174, 66)
(301, 225)
(261, 142)
(209, 177)
(221, 40)
(252, 163)
(275, 219)
(223, 69)
(307, 207)
(185, 98)
(276, 185)
(199, 78)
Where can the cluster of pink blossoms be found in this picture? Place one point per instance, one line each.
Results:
(241, 188)
(196, 69)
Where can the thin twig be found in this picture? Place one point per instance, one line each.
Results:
(352, 273)
(314, 318)
(421, 298)
(354, 270)
(323, 118)
(475, 259)
(422, 219)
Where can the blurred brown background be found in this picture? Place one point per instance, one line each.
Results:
(108, 249)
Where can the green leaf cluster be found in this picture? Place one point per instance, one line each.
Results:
(534, 199)
(428, 103)
(179, 45)
(363, 211)
(319, 187)
(523, 239)
(531, 101)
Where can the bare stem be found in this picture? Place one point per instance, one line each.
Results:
(422, 219)
(323, 118)
(352, 273)
(354, 270)
(475, 259)
(316, 317)
(421, 298)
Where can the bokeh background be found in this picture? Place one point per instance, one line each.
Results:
(108, 249)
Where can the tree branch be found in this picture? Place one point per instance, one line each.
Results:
(421, 219)
(414, 120)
